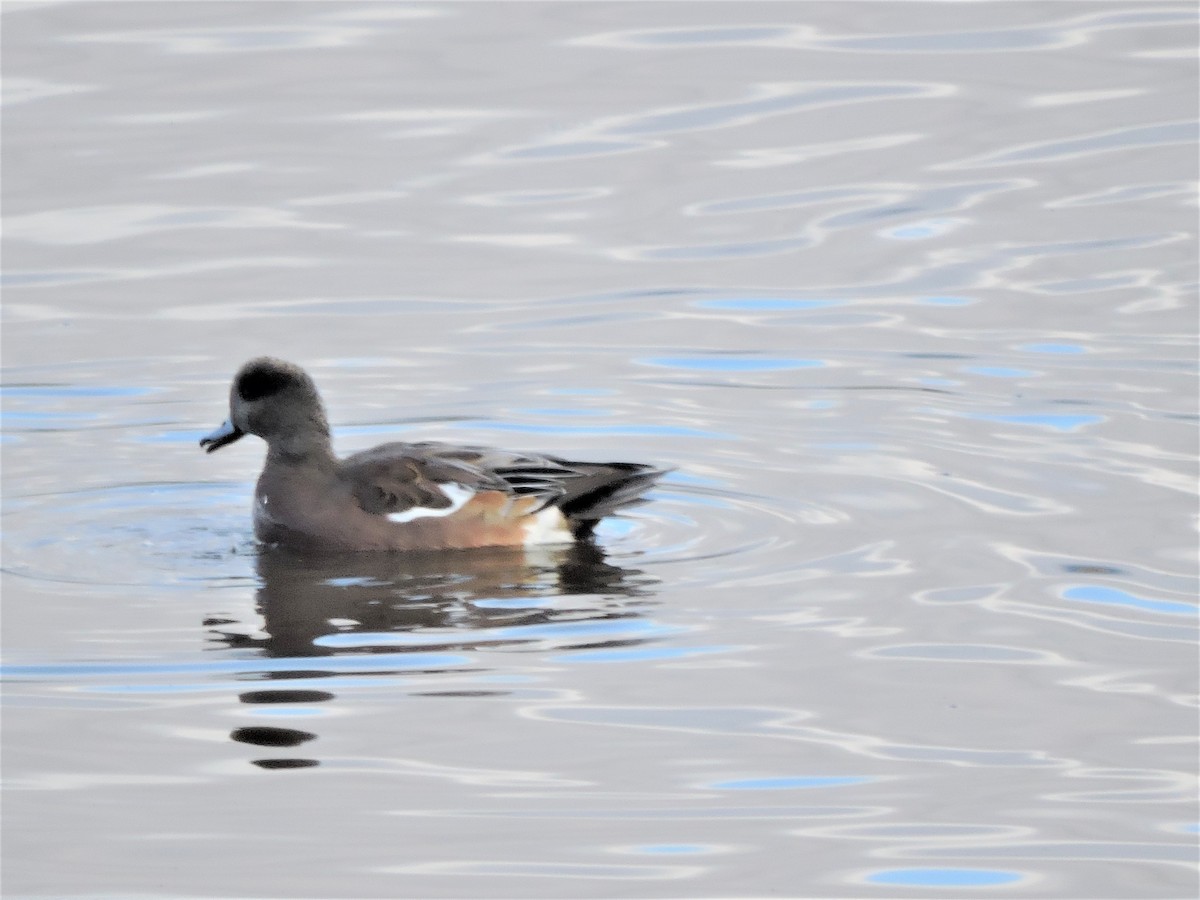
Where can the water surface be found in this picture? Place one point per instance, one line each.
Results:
(906, 294)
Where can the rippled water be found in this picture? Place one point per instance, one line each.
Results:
(906, 292)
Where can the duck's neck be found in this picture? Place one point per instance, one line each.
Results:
(307, 447)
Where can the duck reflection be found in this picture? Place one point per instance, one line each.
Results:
(320, 606)
(304, 598)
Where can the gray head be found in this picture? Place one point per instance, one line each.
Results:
(277, 401)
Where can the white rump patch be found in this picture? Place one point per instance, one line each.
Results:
(457, 494)
(548, 527)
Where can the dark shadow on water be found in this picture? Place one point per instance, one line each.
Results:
(453, 601)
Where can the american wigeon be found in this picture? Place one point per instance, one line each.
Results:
(406, 497)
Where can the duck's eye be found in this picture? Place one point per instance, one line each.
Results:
(262, 381)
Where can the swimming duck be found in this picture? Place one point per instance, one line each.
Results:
(407, 497)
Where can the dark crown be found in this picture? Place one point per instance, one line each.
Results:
(262, 381)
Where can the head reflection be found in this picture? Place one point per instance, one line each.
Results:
(331, 605)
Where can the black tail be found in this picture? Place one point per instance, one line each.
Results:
(601, 489)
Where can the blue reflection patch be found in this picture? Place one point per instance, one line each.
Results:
(678, 477)
(1057, 422)
(732, 363)
(615, 527)
(12, 415)
(918, 231)
(1053, 348)
(999, 372)
(372, 662)
(944, 877)
(1094, 593)
(73, 390)
(788, 783)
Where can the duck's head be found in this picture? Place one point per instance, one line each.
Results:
(275, 400)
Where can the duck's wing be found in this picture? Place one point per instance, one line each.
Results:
(397, 479)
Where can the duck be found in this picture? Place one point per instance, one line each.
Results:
(407, 497)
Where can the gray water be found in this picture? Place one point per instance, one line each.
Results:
(906, 294)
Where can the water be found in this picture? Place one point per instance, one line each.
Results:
(904, 291)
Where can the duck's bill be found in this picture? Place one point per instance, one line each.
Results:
(226, 434)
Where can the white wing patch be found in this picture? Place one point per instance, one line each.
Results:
(548, 527)
(457, 494)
